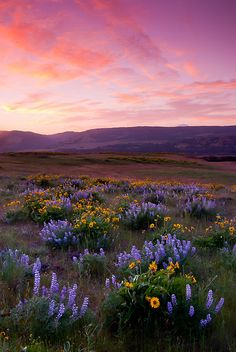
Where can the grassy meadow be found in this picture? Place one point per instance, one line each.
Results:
(113, 252)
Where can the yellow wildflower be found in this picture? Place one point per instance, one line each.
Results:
(153, 267)
(128, 284)
(151, 226)
(155, 302)
(132, 265)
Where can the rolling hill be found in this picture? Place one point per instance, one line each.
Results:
(199, 140)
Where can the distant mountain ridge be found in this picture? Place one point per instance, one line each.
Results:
(197, 140)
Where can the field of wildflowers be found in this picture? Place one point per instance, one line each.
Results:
(117, 265)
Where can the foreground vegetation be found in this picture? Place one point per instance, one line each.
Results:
(99, 264)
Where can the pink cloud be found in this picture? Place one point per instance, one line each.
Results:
(191, 69)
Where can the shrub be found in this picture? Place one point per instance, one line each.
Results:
(222, 233)
(159, 301)
(200, 207)
(91, 263)
(15, 267)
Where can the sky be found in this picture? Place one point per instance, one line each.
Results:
(73, 65)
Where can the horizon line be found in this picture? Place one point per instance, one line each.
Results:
(115, 127)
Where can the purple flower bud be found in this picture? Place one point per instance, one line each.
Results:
(37, 265)
(63, 293)
(219, 305)
(107, 283)
(203, 323)
(169, 308)
(61, 311)
(209, 318)
(51, 307)
(113, 280)
(173, 299)
(209, 299)
(191, 311)
(188, 292)
(84, 307)
(54, 284)
(74, 311)
(36, 282)
(72, 296)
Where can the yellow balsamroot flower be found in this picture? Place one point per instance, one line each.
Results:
(231, 230)
(177, 226)
(148, 298)
(13, 203)
(91, 225)
(191, 277)
(167, 218)
(151, 226)
(138, 261)
(83, 221)
(153, 267)
(128, 284)
(115, 219)
(155, 302)
(132, 265)
(173, 266)
(177, 265)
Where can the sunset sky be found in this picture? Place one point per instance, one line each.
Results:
(80, 64)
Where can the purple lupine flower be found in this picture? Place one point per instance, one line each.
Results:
(36, 282)
(54, 284)
(188, 292)
(169, 308)
(203, 323)
(191, 311)
(74, 311)
(208, 318)
(63, 293)
(51, 307)
(84, 307)
(107, 283)
(24, 259)
(37, 266)
(101, 252)
(209, 299)
(61, 311)
(113, 280)
(72, 295)
(219, 305)
(173, 299)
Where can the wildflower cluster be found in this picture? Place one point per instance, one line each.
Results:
(200, 206)
(15, 265)
(140, 216)
(165, 251)
(221, 234)
(159, 298)
(50, 310)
